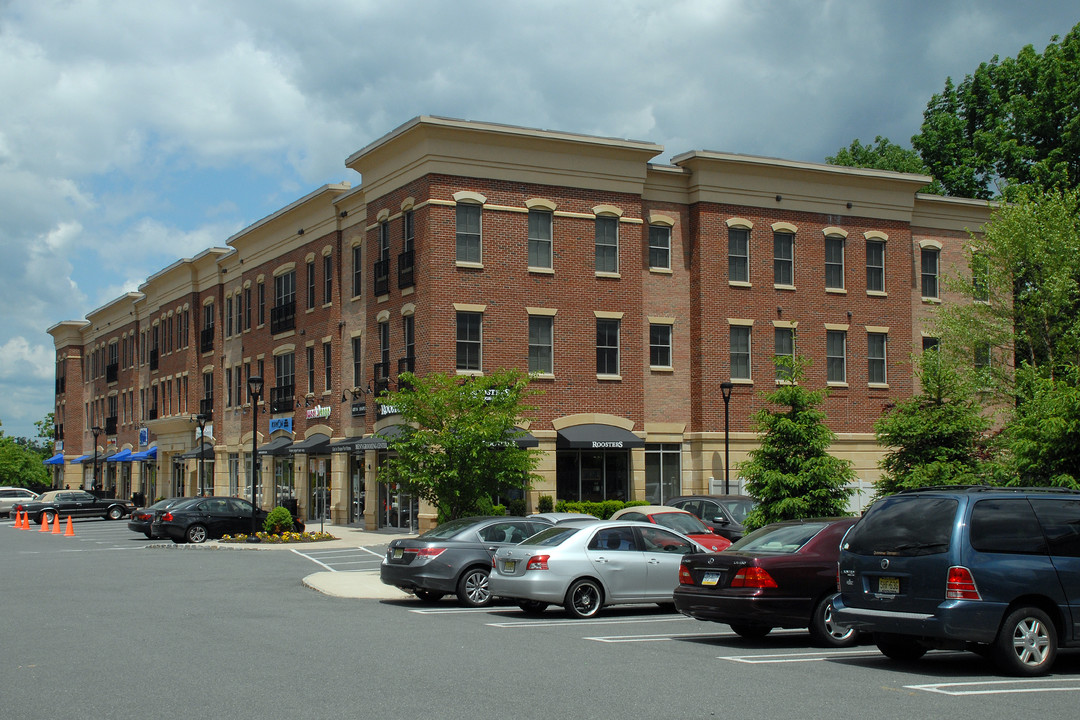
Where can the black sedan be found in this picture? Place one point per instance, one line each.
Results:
(454, 557)
(76, 504)
(781, 575)
(141, 518)
(724, 514)
(198, 519)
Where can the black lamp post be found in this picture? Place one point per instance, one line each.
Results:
(97, 431)
(201, 419)
(725, 390)
(255, 388)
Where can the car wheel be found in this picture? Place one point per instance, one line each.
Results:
(428, 596)
(751, 632)
(472, 588)
(149, 535)
(533, 607)
(899, 648)
(824, 629)
(584, 599)
(116, 513)
(46, 517)
(196, 534)
(1026, 643)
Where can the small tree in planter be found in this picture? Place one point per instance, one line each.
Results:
(279, 520)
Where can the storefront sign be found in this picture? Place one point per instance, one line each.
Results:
(359, 409)
(318, 412)
(281, 424)
(384, 410)
(602, 444)
(144, 437)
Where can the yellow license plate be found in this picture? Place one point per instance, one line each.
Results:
(509, 565)
(889, 585)
(710, 578)
(398, 552)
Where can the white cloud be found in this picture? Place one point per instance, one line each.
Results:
(20, 358)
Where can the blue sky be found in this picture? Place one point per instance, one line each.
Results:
(135, 133)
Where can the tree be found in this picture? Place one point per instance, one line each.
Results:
(884, 155)
(21, 466)
(1042, 438)
(1014, 121)
(457, 448)
(936, 437)
(792, 475)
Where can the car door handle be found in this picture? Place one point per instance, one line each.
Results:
(654, 561)
(601, 558)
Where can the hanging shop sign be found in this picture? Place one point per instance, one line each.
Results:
(318, 412)
(281, 424)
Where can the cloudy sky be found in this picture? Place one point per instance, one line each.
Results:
(133, 133)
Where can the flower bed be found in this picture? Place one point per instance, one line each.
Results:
(285, 537)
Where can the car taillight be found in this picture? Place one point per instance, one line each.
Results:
(538, 562)
(429, 552)
(753, 577)
(685, 578)
(961, 585)
(167, 517)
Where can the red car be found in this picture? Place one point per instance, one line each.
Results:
(781, 575)
(677, 520)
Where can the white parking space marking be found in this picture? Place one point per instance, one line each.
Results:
(1001, 687)
(795, 657)
(335, 559)
(449, 611)
(583, 622)
(683, 636)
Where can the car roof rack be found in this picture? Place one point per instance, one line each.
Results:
(990, 488)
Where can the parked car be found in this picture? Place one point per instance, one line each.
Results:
(990, 569)
(781, 575)
(455, 557)
(585, 566)
(725, 514)
(559, 517)
(677, 520)
(197, 520)
(12, 496)
(74, 503)
(142, 518)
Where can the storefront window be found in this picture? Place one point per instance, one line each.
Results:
(662, 472)
(592, 476)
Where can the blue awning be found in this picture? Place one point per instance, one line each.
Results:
(122, 456)
(150, 454)
(57, 459)
(81, 458)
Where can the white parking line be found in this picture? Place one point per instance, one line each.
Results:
(776, 658)
(449, 611)
(1001, 687)
(672, 636)
(582, 622)
(305, 555)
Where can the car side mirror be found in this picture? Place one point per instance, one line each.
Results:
(721, 520)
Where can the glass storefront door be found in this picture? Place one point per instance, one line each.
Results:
(397, 509)
(319, 487)
(356, 488)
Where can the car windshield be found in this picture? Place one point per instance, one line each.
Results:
(449, 529)
(552, 536)
(778, 538)
(738, 509)
(685, 523)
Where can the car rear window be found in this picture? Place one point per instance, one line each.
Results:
(449, 529)
(778, 539)
(552, 536)
(904, 526)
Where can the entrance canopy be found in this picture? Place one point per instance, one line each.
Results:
(57, 459)
(317, 444)
(207, 452)
(278, 446)
(82, 459)
(369, 442)
(122, 456)
(594, 436)
(150, 454)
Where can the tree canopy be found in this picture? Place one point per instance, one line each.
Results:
(456, 447)
(883, 154)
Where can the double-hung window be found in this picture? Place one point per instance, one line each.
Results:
(740, 352)
(980, 278)
(328, 279)
(607, 346)
(468, 233)
(784, 259)
(659, 345)
(738, 255)
(311, 368)
(357, 271)
(930, 258)
(311, 285)
(834, 262)
(540, 239)
(783, 347)
(660, 247)
(875, 266)
(469, 340)
(836, 356)
(328, 367)
(607, 244)
(876, 344)
(541, 344)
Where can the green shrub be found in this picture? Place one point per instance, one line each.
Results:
(602, 510)
(516, 507)
(546, 504)
(279, 520)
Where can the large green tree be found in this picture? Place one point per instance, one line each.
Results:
(456, 448)
(883, 154)
(1012, 121)
(1041, 440)
(791, 474)
(936, 437)
(22, 459)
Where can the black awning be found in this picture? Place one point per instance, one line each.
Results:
(207, 453)
(358, 444)
(597, 437)
(317, 444)
(277, 446)
(528, 440)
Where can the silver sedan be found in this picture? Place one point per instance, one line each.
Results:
(585, 566)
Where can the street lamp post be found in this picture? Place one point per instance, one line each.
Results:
(97, 431)
(255, 388)
(201, 420)
(725, 390)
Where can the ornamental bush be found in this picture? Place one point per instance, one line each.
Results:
(278, 521)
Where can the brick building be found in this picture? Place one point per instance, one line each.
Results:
(629, 290)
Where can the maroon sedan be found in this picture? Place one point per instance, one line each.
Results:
(781, 575)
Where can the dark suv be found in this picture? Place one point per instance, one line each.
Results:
(989, 569)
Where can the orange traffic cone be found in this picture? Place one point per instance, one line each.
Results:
(44, 523)
(18, 520)
(70, 532)
(56, 525)
(26, 520)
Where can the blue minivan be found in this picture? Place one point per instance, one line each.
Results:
(990, 569)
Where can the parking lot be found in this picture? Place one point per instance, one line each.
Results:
(235, 633)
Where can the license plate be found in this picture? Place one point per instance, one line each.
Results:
(711, 578)
(509, 565)
(889, 585)
(398, 552)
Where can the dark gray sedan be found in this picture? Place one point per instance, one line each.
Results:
(454, 557)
